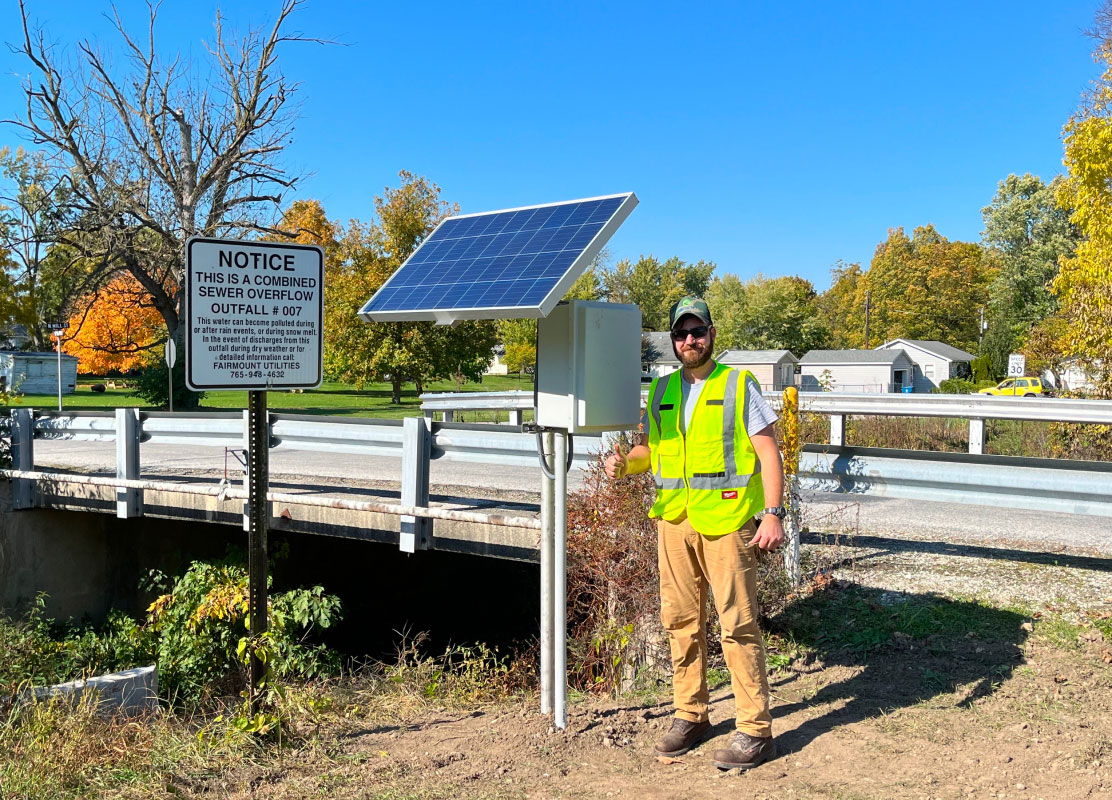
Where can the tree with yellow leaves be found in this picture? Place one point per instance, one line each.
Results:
(1084, 281)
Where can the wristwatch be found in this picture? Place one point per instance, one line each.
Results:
(777, 511)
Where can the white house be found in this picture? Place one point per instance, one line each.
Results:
(934, 361)
(871, 371)
(658, 357)
(773, 369)
(14, 337)
(1075, 378)
(498, 363)
(36, 373)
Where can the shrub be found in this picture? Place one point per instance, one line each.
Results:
(194, 631)
(956, 386)
(152, 384)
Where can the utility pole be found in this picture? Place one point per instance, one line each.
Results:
(981, 329)
(868, 299)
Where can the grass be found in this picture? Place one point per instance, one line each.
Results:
(332, 399)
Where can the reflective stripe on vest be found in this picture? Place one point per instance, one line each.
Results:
(732, 497)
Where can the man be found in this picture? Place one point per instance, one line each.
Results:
(713, 454)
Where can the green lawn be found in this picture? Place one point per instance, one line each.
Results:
(334, 399)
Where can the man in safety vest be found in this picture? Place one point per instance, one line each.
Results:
(713, 455)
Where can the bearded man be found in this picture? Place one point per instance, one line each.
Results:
(712, 450)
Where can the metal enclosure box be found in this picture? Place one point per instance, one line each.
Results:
(589, 367)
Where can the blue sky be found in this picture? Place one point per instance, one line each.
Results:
(766, 137)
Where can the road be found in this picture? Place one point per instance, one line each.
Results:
(824, 511)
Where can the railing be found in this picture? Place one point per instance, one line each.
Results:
(1042, 484)
(839, 405)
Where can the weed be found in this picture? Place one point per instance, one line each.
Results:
(1058, 631)
(717, 676)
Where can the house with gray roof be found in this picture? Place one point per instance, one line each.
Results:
(933, 361)
(773, 369)
(868, 371)
(657, 356)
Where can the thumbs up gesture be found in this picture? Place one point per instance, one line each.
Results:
(616, 465)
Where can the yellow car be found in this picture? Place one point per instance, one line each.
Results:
(1016, 387)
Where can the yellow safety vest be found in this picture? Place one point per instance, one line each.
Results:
(711, 472)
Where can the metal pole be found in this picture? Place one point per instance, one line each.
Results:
(548, 518)
(170, 373)
(560, 583)
(58, 335)
(258, 458)
(791, 552)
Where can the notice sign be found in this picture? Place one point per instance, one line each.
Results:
(253, 315)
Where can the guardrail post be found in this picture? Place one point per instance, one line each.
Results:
(129, 502)
(976, 436)
(23, 456)
(837, 430)
(449, 415)
(415, 534)
(515, 416)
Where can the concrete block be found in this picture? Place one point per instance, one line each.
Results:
(133, 691)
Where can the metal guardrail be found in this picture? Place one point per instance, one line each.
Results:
(1041, 484)
(968, 406)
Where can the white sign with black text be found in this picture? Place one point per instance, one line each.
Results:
(1017, 365)
(253, 312)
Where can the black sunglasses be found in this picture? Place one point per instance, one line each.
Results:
(680, 334)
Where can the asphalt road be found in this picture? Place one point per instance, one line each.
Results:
(824, 511)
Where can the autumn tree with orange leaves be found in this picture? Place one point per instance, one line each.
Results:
(114, 328)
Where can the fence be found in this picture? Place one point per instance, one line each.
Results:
(1040, 484)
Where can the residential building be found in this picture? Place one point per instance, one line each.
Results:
(658, 357)
(773, 369)
(869, 371)
(933, 361)
(36, 373)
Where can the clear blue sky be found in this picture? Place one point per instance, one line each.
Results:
(773, 137)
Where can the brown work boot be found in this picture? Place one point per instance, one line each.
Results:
(744, 752)
(682, 736)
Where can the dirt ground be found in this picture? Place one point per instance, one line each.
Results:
(1006, 701)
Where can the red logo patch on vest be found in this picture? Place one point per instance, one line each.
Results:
(730, 495)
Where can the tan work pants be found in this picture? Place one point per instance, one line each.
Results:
(690, 563)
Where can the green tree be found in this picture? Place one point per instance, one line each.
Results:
(1084, 281)
(398, 352)
(924, 287)
(838, 307)
(39, 276)
(766, 314)
(1031, 231)
(656, 285)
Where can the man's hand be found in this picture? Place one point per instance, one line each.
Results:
(616, 465)
(770, 533)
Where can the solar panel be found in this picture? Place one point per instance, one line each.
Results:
(500, 264)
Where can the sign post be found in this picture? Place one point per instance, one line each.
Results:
(253, 321)
(171, 353)
(1017, 367)
(56, 330)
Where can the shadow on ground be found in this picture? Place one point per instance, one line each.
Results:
(899, 649)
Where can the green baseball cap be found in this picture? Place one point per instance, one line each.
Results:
(695, 306)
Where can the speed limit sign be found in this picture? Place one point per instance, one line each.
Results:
(1017, 365)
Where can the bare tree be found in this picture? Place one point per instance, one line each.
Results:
(161, 151)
